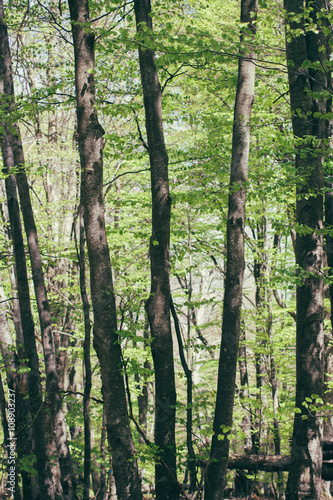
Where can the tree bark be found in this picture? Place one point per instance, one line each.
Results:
(106, 340)
(52, 389)
(244, 392)
(189, 402)
(260, 268)
(216, 476)
(15, 364)
(35, 391)
(271, 463)
(308, 103)
(87, 363)
(158, 304)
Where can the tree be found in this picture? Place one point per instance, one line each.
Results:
(13, 143)
(106, 340)
(158, 304)
(233, 290)
(307, 64)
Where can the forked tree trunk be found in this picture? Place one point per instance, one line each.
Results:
(106, 340)
(308, 104)
(54, 399)
(158, 304)
(216, 477)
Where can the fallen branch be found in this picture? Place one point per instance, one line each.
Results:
(273, 463)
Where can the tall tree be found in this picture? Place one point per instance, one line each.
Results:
(106, 339)
(158, 304)
(54, 399)
(233, 290)
(307, 57)
(35, 393)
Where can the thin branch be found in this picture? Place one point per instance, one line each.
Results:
(81, 394)
(53, 18)
(69, 335)
(125, 173)
(172, 76)
(108, 13)
(283, 305)
(62, 295)
(119, 21)
(144, 144)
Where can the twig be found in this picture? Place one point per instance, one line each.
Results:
(144, 144)
(125, 173)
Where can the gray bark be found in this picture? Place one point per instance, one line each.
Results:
(306, 84)
(216, 476)
(106, 340)
(158, 304)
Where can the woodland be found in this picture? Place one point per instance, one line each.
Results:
(166, 244)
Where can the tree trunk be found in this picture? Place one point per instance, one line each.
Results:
(308, 103)
(87, 363)
(35, 391)
(216, 477)
(189, 402)
(52, 388)
(244, 392)
(272, 463)
(102, 487)
(106, 340)
(158, 304)
(260, 267)
(16, 373)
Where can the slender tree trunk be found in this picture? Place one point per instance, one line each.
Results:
(102, 493)
(158, 304)
(260, 265)
(189, 402)
(9, 359)
(52, 389)
(17, 375)
(106, 340)
(275, 399)
(35, 392)
(216, 477)
(87, 364)
(142, 386)
(244, 392)
(308, 103)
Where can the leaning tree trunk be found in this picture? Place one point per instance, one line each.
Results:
(307, 78)
(106, 340)
(24, 427)
(54, 399)
(35, 392)
(216, 476)
(158, 304)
